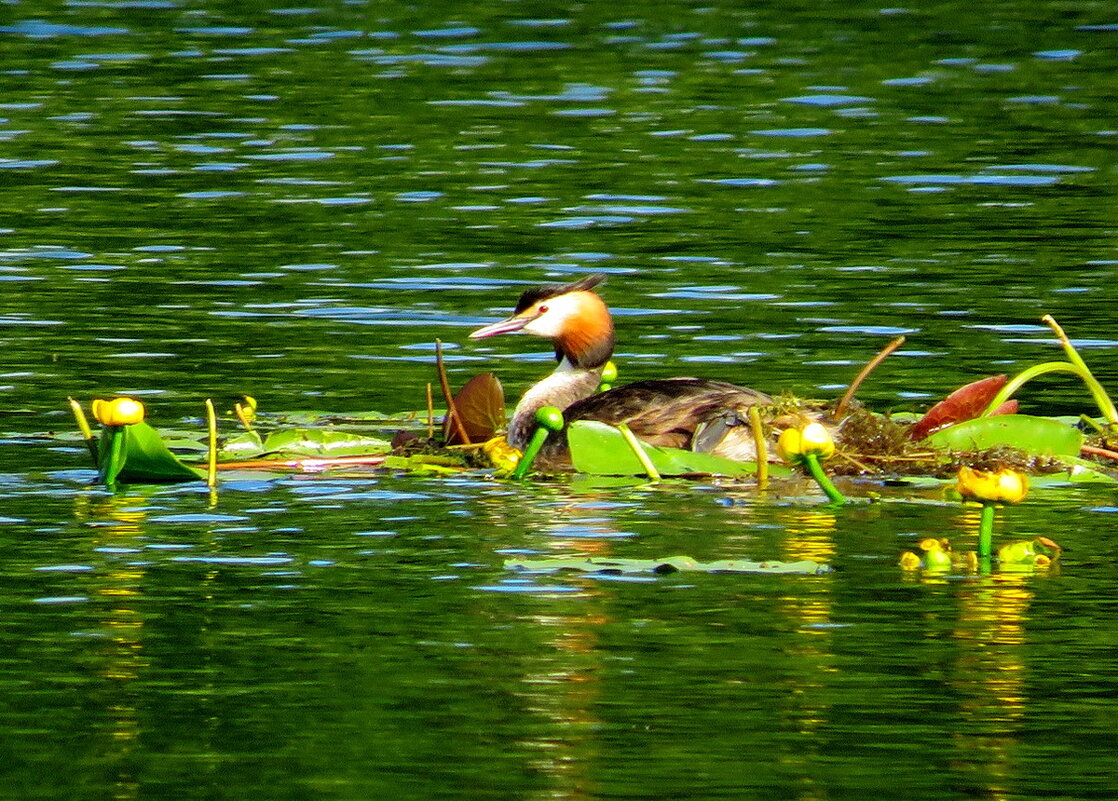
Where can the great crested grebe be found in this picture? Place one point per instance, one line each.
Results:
(693, 413)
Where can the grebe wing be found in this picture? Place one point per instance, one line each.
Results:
(667, 411)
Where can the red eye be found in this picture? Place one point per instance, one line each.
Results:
(543, 309)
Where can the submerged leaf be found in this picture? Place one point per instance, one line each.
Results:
(600, 449)
(423, 463)
(1041, 436)
(481, 408)
(671, 564)
(1080, 471)
(965, 403)
(322, 442)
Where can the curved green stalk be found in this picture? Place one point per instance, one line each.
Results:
(211, 451)
(530, 452)
(816, 470)
(1102, 399)
(1074, 364)
(83, 425)
(548, 419)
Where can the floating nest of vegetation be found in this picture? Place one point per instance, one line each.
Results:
(875, 444)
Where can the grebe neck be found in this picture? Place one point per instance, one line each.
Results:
(560, 389)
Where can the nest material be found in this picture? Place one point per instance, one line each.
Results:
(871, 443)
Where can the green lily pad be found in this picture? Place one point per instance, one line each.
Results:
(139, 456)
(245, 445)
(671, 564)
(600, 449)
(1041, 436)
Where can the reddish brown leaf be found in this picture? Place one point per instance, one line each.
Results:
(481, 406)
(1009, 407)
(965, 403)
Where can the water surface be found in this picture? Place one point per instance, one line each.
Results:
(200, 200)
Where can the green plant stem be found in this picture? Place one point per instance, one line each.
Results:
(211, 462)
(110, 467)
(243, 413)
(816, 470)
(986, 532)
(1065, 342)
(638, 451)
(83, 426)
(760, 446)
(530, 453)
(1090, 423)
(1102, 400)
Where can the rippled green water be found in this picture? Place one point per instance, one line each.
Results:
(199, 200)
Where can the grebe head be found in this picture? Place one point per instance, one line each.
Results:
(574, 318)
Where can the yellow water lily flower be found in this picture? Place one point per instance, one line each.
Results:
(1003, 486)
(118, 411)
(813, 439)
(501, 455)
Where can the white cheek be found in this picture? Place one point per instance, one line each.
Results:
(551, 323)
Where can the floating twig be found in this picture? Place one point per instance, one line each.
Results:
(473, 446)
(848, 396)
(865, 468)
(1092, 450)
(444, 384)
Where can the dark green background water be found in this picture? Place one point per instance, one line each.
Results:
(200, 199)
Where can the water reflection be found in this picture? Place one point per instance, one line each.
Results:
(117, 591)
(809, 534)
(990, 680)
(563, 691)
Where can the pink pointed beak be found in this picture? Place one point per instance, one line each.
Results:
(507, 326)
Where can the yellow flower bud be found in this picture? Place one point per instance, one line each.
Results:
(936, 554)
(1039, 552)
(795, 443)
(1003, 486)
(910, 561)
(118, 411)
